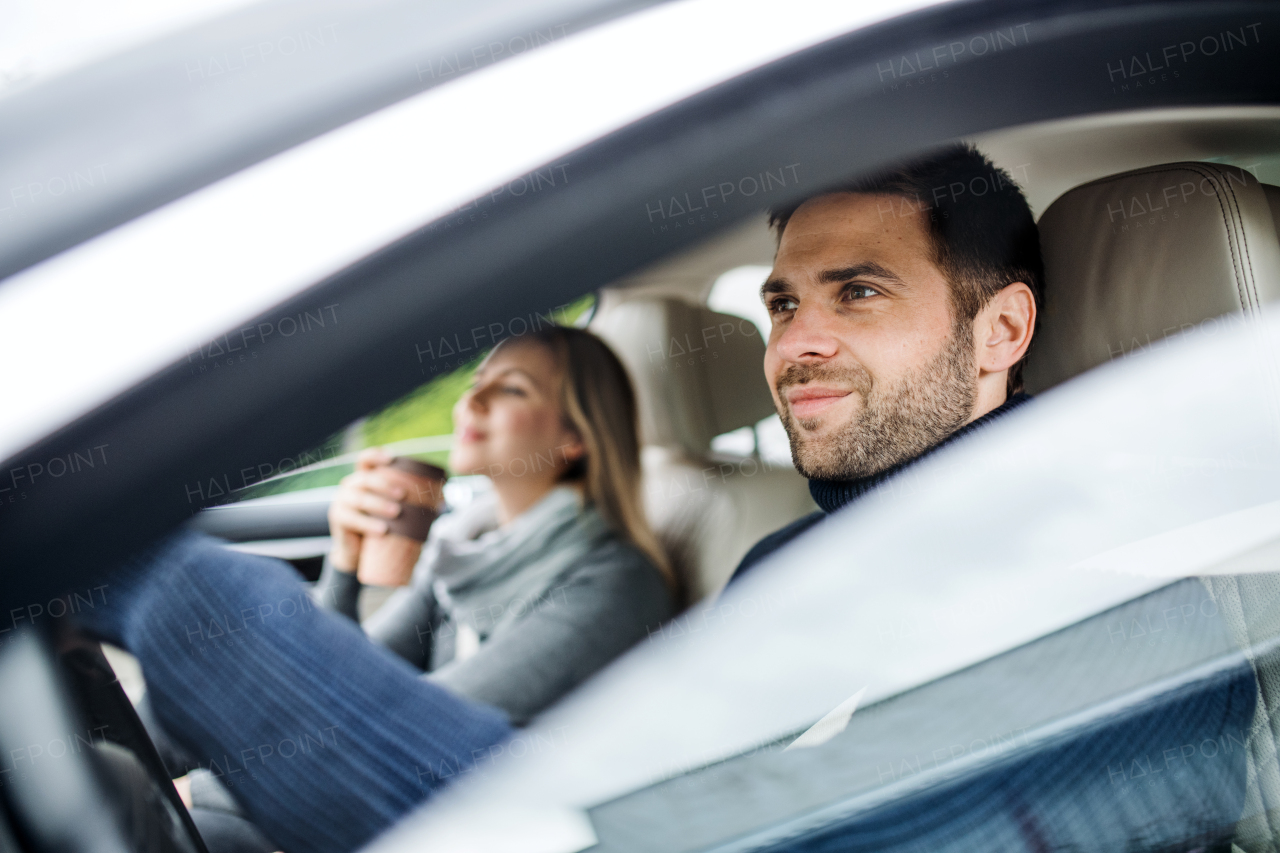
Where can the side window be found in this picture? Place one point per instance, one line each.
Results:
(419, 424)
(1265, 167)
(737, 292)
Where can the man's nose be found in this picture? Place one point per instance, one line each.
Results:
(808, 336)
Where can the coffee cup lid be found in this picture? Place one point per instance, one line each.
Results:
(418, 469)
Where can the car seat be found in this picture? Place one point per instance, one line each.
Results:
(699, 374)
(1135, 257)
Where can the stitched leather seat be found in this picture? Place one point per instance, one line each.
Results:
(1134, 257)
(699, 374)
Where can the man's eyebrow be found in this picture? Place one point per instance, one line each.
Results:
(775, 285)
(867, 269)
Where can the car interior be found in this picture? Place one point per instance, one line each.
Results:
(698, 374)
(1120, 277)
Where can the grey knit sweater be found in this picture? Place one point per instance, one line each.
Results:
(601, 606)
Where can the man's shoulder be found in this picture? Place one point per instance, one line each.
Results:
(774, 541)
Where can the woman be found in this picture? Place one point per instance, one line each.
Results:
(326, 739)
(540, 583)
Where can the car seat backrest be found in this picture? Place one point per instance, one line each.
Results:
(699, 374)
(1137, 256)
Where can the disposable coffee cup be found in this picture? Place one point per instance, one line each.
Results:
(388, 559)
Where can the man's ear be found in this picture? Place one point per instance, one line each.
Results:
(1004, 327)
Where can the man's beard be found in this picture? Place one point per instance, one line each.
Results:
(894, 424)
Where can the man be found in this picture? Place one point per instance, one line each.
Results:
(903, 306)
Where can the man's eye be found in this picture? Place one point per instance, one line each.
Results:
(861, 291)
(513, 390)
(782, 303)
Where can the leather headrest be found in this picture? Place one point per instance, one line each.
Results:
(697, 373)
(1134, 257)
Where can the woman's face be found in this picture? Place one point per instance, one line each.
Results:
(509, 424)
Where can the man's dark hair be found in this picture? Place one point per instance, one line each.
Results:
(984, 236)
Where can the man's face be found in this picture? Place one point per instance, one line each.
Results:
(867, 366)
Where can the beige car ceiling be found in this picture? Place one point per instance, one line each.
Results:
(1047, 159)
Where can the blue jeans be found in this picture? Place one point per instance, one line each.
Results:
(324, 738)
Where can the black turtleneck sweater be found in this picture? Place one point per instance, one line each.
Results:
(832, 495)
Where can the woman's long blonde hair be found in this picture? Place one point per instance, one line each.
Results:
(600, 405)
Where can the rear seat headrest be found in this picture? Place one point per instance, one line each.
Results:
(1134, 257)
(697, 373)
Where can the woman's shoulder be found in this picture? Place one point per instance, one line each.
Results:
(616, 564)
(612, 548)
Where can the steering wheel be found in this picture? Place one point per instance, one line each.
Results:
(78, 772)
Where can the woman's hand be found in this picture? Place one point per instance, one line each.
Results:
(365, 498)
